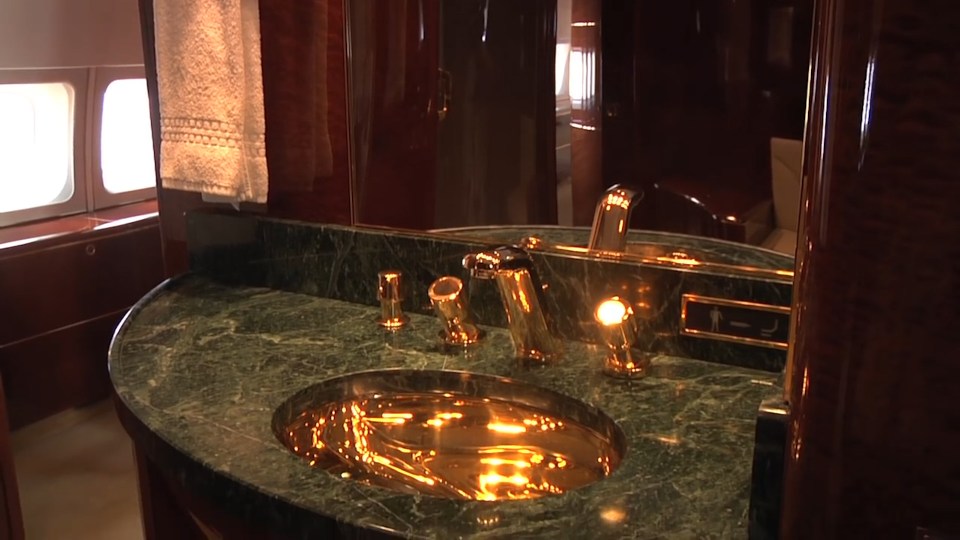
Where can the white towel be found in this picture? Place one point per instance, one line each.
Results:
(211, 98)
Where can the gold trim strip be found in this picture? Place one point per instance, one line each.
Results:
(734, 339)
(705, 334)
(733, 303)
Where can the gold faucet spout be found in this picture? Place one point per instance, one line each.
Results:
(612, 218)
(522, 294)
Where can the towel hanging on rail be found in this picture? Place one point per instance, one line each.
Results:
(211, 98)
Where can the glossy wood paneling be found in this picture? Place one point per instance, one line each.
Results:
(492, 157)
(303, 47)
(52, 286)
(26, 237)
(65, 297)
(875, 426)
(395, 57)
(162, 515)
(497, 146)
(56, 371)
(11, 519)
(587, 123)
(171, 511)
(617, 80)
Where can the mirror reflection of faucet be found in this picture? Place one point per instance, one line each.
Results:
(612, 219)
(611, 222)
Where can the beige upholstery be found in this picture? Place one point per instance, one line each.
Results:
(785, 163)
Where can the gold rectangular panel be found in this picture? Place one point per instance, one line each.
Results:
(735, 321)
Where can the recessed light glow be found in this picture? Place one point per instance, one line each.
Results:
(611, 312)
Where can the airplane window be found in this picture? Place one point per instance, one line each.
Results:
(126, 144)
(36, 145)
(582, 78)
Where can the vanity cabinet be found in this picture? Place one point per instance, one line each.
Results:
(62, 299)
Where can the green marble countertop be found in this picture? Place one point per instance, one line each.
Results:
(203, 366)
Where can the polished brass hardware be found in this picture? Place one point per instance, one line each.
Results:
(450, 434)
(522, 294)
(451, 308)
(612, 218)
(686, 330)
(618, 328)
(390, 294)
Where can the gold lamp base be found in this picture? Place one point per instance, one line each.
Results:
(618, 328)
(626, 365)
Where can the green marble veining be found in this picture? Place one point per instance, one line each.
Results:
(204, 366)
(714, 250)
(342, 263)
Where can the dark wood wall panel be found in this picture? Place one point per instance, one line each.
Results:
(62, 301)
(395, 62)
(589, 170)
(875, 425)
(11, 519)
(303, 49)
(490, 155)
(78, 280)
(692, 93)
(59, 370)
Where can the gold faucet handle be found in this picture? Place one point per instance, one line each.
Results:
(618, 328)
(451, 308)
(390, 294)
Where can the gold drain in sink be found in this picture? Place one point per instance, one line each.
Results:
(453, 445)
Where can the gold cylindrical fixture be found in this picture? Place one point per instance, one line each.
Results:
(390, 294)
(618, 328)
(528, 327)
(451, 309)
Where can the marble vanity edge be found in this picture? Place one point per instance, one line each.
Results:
(176, 336)
(769, 461)
(342, 263)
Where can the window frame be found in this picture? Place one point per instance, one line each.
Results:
(78, 79)
(100, 197)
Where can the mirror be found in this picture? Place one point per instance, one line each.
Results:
(498, 119)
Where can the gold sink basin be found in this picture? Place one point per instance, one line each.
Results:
(450, 434)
